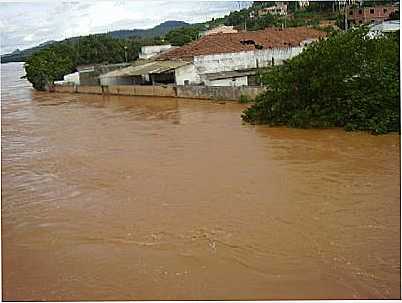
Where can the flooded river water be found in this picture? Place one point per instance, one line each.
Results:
(129, 198)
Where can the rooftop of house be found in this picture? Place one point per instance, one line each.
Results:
(243, 41)
(92, 67)
(142, 67)
(220, 29)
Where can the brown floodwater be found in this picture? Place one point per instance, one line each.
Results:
(132, 198)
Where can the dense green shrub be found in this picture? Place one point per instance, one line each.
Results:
(347, 80)
(48, 65)
(244, 99)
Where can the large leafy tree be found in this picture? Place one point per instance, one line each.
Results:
(350, 79)
(47, 66)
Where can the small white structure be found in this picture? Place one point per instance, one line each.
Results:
(143, 72)
(220, 29)
(386, 26)
(150, 51)
(304, 3)
(73, 78)
(280, 9)
(70, 79)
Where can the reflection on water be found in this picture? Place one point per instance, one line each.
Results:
(122, 198)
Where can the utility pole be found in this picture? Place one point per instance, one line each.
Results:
(125, 53)
(346, 16)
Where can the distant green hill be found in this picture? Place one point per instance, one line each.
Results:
(21, 56)
(159, 30)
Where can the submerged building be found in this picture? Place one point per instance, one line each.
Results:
(233, 59)
(220, 59)
(144, 72)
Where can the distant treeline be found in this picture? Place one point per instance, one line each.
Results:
(138, 34)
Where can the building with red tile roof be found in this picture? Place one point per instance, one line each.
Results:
(243, 41)
(373, 14)
(221, 59)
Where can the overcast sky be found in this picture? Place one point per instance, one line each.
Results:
(27, 24)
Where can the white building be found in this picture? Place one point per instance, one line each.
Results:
(234, 59)
(221, 59)
(232, 69)
(150, 51)
(279, 9)
(143, 72)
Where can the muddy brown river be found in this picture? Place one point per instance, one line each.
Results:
(134, 198)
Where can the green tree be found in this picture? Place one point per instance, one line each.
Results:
(184, 35)
(46, 66)
(347, 80)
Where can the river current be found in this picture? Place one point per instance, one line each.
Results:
(138, 198)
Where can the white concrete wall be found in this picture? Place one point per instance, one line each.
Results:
(187, 72)
(239, 81)
(153, 50)
(243, 60)
(116, 81)
(73, 78)
(233, 61)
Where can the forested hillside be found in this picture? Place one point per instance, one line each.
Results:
(157, 31)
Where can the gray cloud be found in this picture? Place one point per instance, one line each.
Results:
(24, 25)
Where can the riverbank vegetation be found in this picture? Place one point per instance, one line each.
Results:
(349, 80)
(62, 58)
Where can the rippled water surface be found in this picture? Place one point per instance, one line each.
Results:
(128, 198)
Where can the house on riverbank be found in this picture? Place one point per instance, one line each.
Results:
(233, 59)
(143, 72)
(221, 59)
(221, 66)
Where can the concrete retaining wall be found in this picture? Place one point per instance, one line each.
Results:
(181, 91)
(64, 88)
(141, 90)
(217, 92)
(83, 89)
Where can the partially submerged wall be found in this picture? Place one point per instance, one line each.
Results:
(181, 91)
(218, 92)
(84, 89)
(64, 88)
(141, 90)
